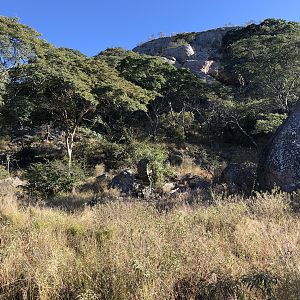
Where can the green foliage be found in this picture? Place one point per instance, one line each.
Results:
(263, 282)
(70, 90)
(123, 155)
(176, 125)
(267, 27)
(269, 123)
(18, 43)
(157, 156)
(145, 71)
(264, 61)
(96, 101)
(51, 178)
(113, 56)
(3, 173)
(185, 36)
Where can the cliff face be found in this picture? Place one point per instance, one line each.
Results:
(197, 51)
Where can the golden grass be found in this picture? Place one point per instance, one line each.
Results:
(130, 250)
(189, 167)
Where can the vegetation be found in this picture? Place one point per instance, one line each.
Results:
(69, 123)
(129, 250)
(52, 178)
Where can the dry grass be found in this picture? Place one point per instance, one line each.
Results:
(189, 167)
(129, 250)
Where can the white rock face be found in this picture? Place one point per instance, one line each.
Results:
(205, 69)
(200, 53)
(170, 60)
(180, 53)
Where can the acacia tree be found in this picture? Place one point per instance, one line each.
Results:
(71, 87)
(18, 44)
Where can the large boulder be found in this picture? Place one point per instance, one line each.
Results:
(124, 181)
(193, 183)
(280, 161)
(239, 178)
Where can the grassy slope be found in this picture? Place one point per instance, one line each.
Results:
(132, 251)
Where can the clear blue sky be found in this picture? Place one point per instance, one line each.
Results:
(94, 25)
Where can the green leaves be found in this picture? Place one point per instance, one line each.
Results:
(18, 42)
(52, 178)
(264, 59)
(72, 85)
(268, 123)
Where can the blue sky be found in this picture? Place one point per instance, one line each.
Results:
(91, 26)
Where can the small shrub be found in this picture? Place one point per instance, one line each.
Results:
(268, 123)
(188, 37)
(3, 173)
(52, 178)
(157, 156)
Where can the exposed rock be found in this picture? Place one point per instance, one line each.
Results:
(170, 60)
(124, 181)
(200, 54)
(280, 161)
(240, 178)
(168, 187)
(193, 182)
(203, 68)
(144, 192)
(180, 53)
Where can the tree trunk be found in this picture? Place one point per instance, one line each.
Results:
(245, 134)
(69, 145)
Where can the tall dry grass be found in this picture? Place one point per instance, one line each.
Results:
(129, 250)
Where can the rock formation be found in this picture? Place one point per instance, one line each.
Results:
(199, 51)
(124, 181)
(280, 161)
(239, 178)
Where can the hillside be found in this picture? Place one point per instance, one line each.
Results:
(157, 173)
(201, 52)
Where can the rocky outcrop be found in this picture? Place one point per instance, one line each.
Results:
(181, 53)
(239, 178)
(280, 161)
(124, 181)
(199, 52)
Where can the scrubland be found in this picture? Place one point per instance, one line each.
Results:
(230, 248)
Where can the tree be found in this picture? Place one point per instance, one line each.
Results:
(18, 44)
(265, 61)
(72, 87)
(179, 93)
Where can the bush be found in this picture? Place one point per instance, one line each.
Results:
(52, 178)
(175, 125)
(3, 173)
(91, 152)
(157, 156)
(268, 123)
